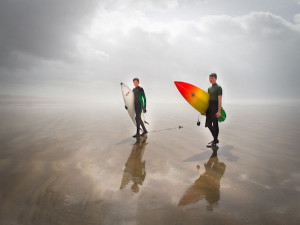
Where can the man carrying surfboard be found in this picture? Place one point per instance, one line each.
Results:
(214, 110)
(139, 105)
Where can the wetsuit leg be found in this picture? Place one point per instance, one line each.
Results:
(215, 129)
(210, 127)
(212, 120)
(138, 117)
(142, 124)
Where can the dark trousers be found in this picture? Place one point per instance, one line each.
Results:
(212, 120)
(138, 119)
(214, 129)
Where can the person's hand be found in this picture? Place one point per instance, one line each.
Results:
(218, 114)
(144, 110)
(126, 107)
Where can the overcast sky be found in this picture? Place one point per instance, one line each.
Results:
(83, 49)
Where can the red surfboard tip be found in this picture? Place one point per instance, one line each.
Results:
(177, 82)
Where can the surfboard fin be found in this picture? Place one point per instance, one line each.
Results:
(146, 122)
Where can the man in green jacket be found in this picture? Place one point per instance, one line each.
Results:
(139, 105)
(214, 110)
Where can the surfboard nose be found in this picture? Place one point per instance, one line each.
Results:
(177, 83)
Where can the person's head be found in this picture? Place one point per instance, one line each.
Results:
(136, 82)
(213, 78)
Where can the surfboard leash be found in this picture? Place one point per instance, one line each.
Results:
(171, 128)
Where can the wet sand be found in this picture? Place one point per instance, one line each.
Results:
(77, 164)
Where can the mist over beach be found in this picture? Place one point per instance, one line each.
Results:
(67, 155)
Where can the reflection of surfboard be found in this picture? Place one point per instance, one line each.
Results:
(197, 98)
(128, 97)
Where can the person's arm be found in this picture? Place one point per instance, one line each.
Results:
(144, 101)
(219, 102)
(219, 106)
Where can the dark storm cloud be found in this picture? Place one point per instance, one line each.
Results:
(40, 29)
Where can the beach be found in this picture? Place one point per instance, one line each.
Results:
(74, 164)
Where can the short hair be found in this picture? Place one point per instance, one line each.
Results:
(136, 79)
(213, 75)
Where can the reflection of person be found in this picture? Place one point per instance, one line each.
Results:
(139, 105)
(207, 185)
(135, 170)
(214, 110)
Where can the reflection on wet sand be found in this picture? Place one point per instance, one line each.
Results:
(207, 185)
(60, 164)
(135, 170)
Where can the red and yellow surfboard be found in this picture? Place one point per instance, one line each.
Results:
(197, 98)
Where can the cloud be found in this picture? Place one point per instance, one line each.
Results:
(41, 28)
(297, 18)
(78, 48)
(142, 5)
(255, 49)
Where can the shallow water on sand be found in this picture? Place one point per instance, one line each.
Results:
(77, 164)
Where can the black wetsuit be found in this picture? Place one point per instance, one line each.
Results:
(211, 118)
(139, 105)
